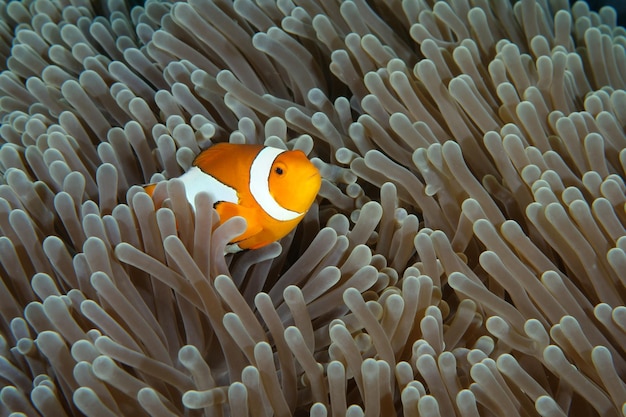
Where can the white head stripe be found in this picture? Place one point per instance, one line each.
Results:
(260, 188)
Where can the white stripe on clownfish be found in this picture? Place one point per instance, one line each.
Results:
(197, 181)
(260, 171)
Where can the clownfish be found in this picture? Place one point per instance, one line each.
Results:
(271, 188)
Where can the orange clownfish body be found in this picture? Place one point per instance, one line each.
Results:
(271, 188)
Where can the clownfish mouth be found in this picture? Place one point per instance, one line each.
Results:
(311, 182)
(314, 175)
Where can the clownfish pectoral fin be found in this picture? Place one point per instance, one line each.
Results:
(227, 210)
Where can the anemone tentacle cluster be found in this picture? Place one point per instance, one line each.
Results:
(466, 255)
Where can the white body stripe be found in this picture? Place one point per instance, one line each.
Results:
(197, 181)
(259, 185)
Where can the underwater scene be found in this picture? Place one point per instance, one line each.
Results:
(258, 208)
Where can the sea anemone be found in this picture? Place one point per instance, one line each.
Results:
(465, 255)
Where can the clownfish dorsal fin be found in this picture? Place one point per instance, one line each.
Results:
(225, 158)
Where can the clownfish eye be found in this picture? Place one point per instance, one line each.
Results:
(278, 170)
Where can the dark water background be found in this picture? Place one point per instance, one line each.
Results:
(619, 5)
